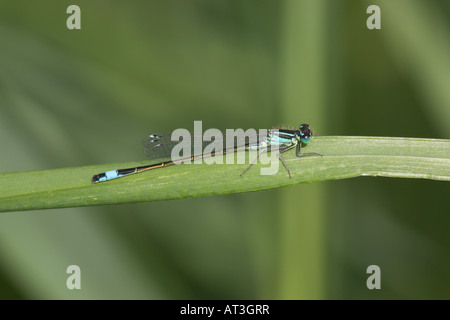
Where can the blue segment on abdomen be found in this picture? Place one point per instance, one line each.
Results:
(110, 175)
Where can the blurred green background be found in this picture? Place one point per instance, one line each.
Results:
(81, 97)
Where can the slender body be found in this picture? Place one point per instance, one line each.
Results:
(278, 139)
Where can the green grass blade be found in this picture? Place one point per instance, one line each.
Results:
(343, 157)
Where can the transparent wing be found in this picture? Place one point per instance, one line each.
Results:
(160, 145)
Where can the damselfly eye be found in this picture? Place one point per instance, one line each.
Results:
(306, 139)
(305, 133)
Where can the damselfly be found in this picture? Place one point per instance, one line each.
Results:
(159, 146)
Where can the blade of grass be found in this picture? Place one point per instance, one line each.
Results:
(343, 157)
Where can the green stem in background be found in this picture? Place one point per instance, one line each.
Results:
(300, 272)
(343, 157)
(418, 40)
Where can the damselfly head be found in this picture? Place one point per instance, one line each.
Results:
(306, 133)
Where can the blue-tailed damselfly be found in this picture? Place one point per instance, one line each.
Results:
(157, 146)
